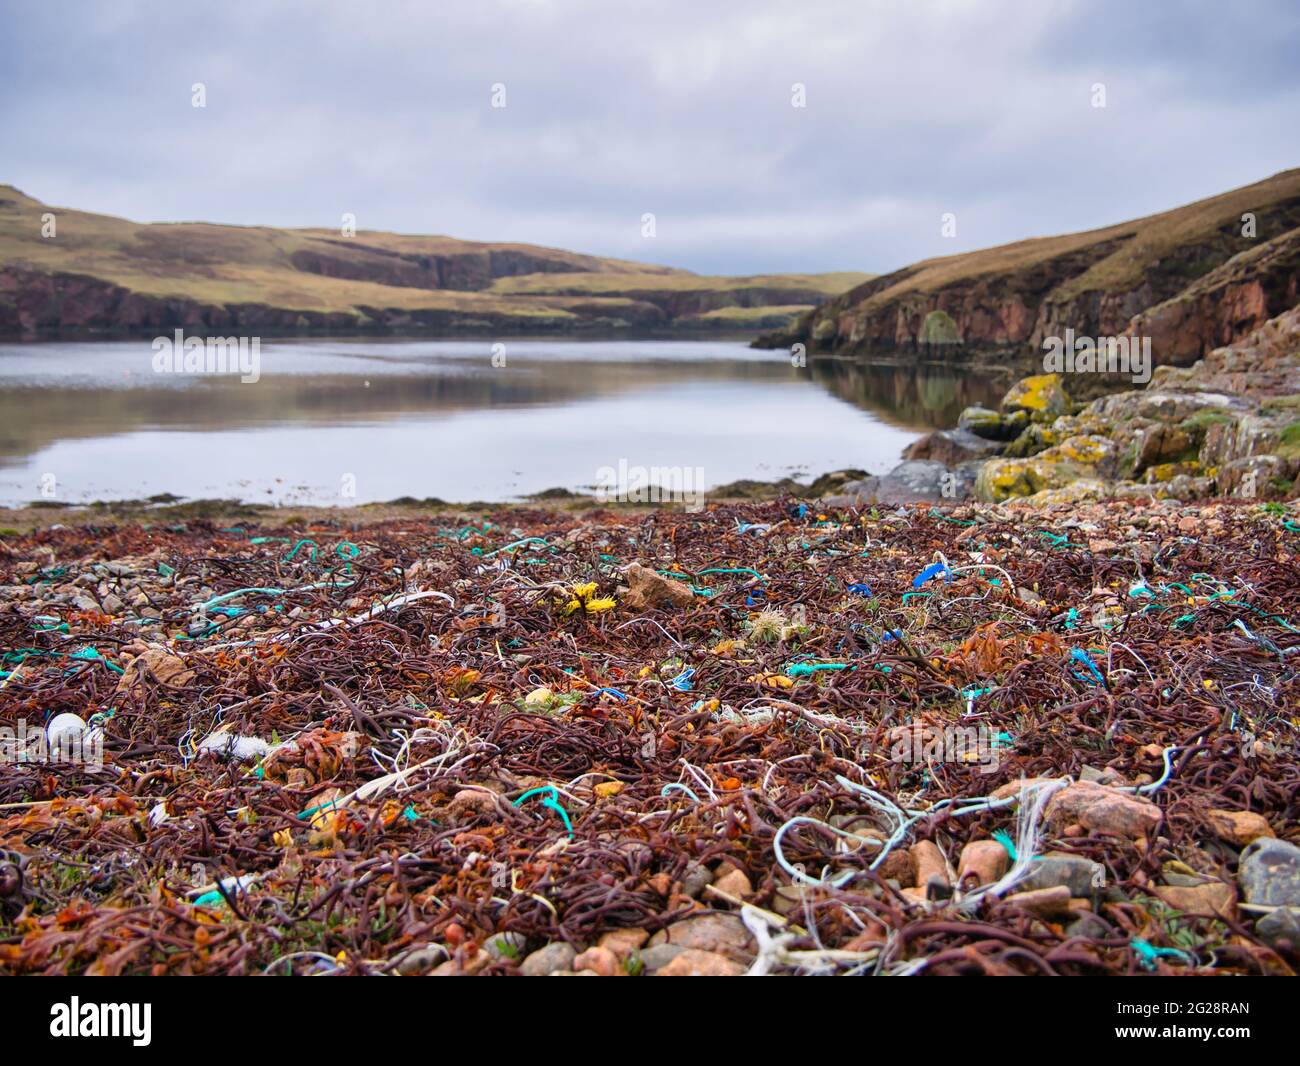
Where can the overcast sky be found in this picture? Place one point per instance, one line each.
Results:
(681, 108)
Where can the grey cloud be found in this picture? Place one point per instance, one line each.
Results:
(679, 108)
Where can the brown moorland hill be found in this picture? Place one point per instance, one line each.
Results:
(1190, 277)
(104, 274)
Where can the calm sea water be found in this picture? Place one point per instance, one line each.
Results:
(384, 419)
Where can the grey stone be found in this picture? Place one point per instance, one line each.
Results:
(548, 960)
(696, 877)
(1080, 875)
(952, 447)
(658, 956)
(422, 958)
(1280, 928)
(1269, 873)
(1161, 406)
(505, 945)
(1105, 776)
(913, 481)
(1090, 927)
(916, 481)
(860, 493)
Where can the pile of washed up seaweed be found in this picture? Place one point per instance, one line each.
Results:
(761, 738)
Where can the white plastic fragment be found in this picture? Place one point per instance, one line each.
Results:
(235, 746)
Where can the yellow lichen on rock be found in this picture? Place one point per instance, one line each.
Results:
(1084, 449)
(1001, 479)
(1083, 490)
(1041, 396)
(1074, 458)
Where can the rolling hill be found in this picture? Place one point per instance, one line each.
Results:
(1189, 278)
(100, 274)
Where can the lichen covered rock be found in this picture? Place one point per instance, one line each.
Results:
(991, 425)
(1074, 458)
(1042, 397)
(951, 447)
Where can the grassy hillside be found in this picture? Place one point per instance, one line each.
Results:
(109, 274)
(1094, 282)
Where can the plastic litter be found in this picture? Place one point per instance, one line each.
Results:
(462, 718)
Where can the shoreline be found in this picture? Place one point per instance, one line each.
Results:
(684, 712)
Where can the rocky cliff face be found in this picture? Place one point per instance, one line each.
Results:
(1225, 304)
(1193, 279)
(35, 303)
(469, 272)
(65, 271)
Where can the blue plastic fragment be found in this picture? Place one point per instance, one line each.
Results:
(931, 571)
(682, 682)
(1081, 656)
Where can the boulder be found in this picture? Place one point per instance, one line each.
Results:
(1187, 487)
(1249, 435)
(1042, 397)
(1084, 490)
(859, 493)
(913, 481)
(1075, 457)
(920, 481)
(1035, 438)
(1162, 443)
(1156, 405)
(1256, 475)
(952, 447)
(991, 425)
(1001, 479)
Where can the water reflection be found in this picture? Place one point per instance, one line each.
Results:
(437, 418)
(926, 395)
